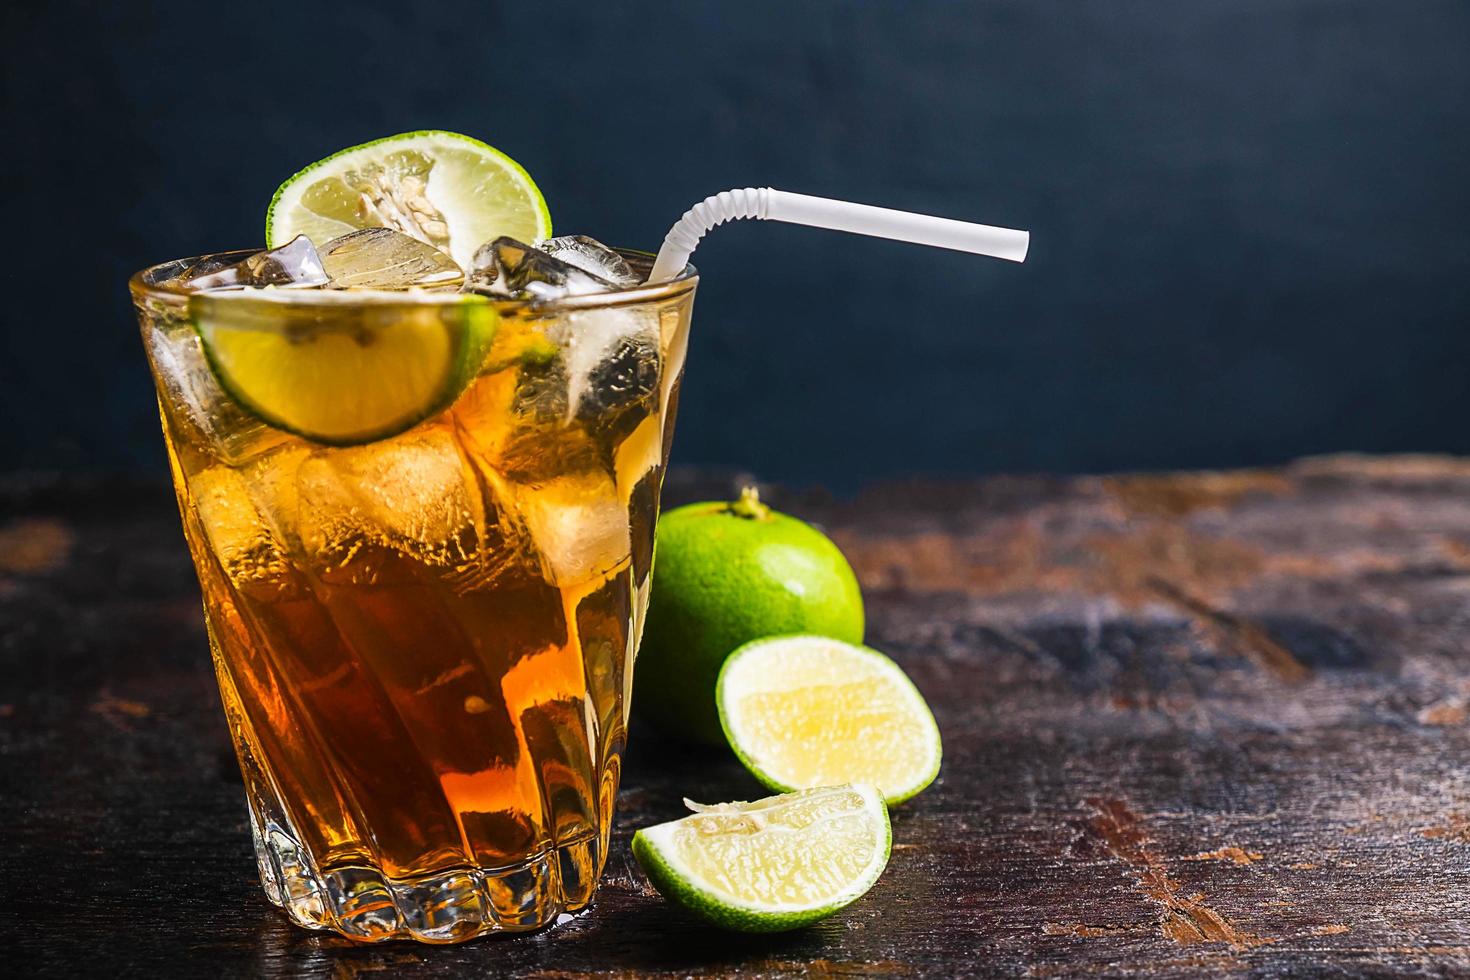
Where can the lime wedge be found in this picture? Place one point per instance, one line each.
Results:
(448, 190)
(803, 711)
(342, 368)
(775, 864)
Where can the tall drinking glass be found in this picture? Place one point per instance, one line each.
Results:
(424, 643)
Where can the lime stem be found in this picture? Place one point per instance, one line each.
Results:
(749, 506)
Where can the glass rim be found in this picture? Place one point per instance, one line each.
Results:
(172, 294)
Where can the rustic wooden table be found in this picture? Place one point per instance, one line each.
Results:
(1194, 724)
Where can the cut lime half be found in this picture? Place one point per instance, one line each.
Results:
(448, 190)
(775, 864)
(804, 711)
(342, 368)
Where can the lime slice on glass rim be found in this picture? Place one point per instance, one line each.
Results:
(803, 711)
(779, 863)
(347, 367)
(448, 190)
(343, 367)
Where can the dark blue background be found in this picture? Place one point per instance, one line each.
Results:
(1249, 217)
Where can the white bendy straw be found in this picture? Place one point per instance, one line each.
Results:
(769, 204)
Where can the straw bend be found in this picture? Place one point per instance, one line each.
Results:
(713, 211)
(820, 212)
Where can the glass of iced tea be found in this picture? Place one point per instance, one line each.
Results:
(422, 518)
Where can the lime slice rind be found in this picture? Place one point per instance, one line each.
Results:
(339, 368)
(478, 191)
(900, 771)
(659, 853)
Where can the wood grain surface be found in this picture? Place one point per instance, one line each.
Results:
(1195, 724)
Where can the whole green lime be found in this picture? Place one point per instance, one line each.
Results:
(725, 574)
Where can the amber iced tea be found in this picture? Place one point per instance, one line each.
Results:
(424, 643)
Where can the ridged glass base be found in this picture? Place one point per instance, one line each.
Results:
(447, 907)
